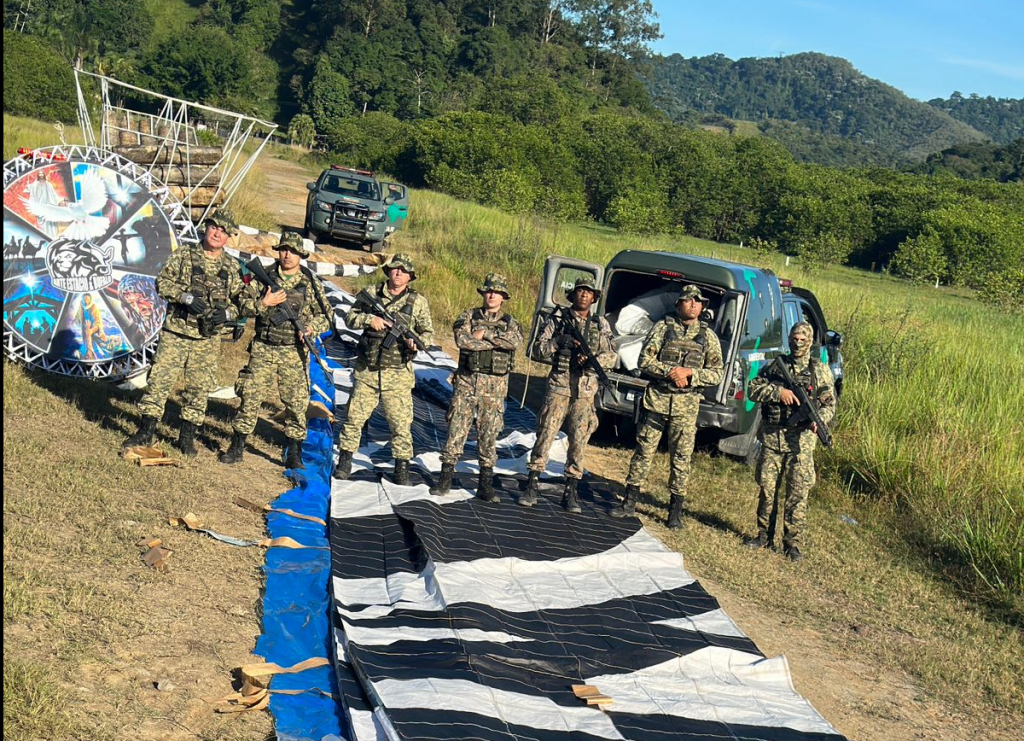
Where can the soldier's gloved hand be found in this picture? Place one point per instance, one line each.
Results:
(193, 304)
(566, 342)
(222, 315)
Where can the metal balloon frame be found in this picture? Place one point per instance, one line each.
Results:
(86, 232)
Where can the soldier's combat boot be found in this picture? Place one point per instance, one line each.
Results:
(444, 481)
(793, 553)
(761, 541)
(187, 439)
(143, 436)
(628, 506)
(294, 458)
(234, 453)
(344, 468)
(675, 513)
(485, 487)
(570, 499)
(529, 497)
(401, 476)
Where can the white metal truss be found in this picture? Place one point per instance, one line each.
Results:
(173, 129)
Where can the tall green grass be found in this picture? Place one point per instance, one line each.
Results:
(931, 415)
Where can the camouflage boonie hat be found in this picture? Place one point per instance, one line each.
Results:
(584, 281)
(225, 219)
(496, 283)
(292, 241)
(401, 260)
(691, 291)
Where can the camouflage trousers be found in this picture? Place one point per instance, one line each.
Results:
(200, 359)
(578, 409)
(480, 396)
(787, 454)
(681, 427)
(268, 363)
(392, 387)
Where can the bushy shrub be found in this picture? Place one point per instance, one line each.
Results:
(37, 81)
(921, 259)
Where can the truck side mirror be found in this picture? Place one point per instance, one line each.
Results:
(833, 338)
(310, 186)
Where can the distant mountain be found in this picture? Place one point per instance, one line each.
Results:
(827, 95)
(1002, 119)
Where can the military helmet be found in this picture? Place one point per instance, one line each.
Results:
(584, 281)
(292, 241)
(225, 219)
(400, 260)
(496, 283)
(691, 291)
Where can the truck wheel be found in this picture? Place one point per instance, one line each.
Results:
(380, 246)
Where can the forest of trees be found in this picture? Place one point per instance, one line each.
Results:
(539, 107)
(825, 94)
(1001, 119)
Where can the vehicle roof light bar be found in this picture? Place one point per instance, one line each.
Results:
(368, 173)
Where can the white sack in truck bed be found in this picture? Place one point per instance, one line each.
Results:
(637, 318)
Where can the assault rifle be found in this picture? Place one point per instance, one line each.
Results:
(568, 327)
(807, 411)
(285, 312)
(400, 327)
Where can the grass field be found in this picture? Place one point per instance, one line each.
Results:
(927, 462)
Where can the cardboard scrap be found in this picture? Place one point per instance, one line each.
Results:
(255, 692)
(254, 507)
(146, 455)
(590, 694)
(317, 410)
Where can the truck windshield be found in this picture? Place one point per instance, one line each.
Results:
(343, 186)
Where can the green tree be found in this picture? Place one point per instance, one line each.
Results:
(37, 80)
(639, 208)
(921, 259)
(302, 130)
(329, 96)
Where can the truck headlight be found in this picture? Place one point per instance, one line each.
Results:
(376, 216)
(322, 205)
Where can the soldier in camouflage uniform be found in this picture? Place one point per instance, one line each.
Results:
(681, 357)
(277, 352)
(487, 338)
(204, 292)
(571, 390)
(384, 374)
(786, 450)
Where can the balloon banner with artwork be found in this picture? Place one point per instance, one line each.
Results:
(85, 235)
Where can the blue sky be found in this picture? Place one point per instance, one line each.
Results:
(925, 48)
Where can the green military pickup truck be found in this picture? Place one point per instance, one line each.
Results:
(352, 206)
(750, 310)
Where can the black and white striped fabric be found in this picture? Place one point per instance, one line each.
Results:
(457, 619)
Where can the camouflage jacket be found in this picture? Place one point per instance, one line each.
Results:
(359, 318)
(311, 316)
(176, 278)
(498, 335)
(659, 394)
(562, 382)
(766, 388)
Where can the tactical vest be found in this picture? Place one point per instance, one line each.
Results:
(775, 412)
(568, 358)
(372, 345)
(213, 290)
(276, 329)
(493, 362)
(679, 351)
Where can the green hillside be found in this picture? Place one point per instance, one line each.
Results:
(825, 94)
(1001, 119)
